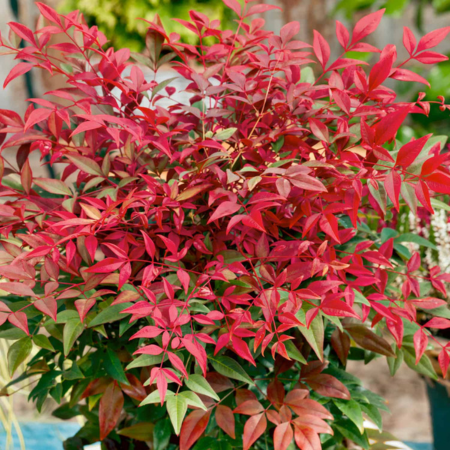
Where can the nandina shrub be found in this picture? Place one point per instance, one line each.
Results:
(206, 263)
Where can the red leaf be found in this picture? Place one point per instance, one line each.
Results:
(148, 332)
(423, 195)
(22, 31)
(428, 302)
(282, 436)
(381, 70)
(225, 420)
(288, 31)
(342, 34)
(36, 116)
(409, 41)
(193, 427)
(367, 25)
(135, 389)
(151, 349)
(106, 265)
(49, 13)
(420, 343)
(275, 391)
(439, 182)
(444, 362)
(16, 71)
(319, 129)
(224, 209)
(124, 274)
(438, 322)
(409, 152)
(234, 5)
(253, 429)
(338, 308)
(111, 405)
(432, 39)
(149, 245)
(177, 363)
(430, 58)
(408, 75)
(321, 49)
(259, 9)
(387, 127)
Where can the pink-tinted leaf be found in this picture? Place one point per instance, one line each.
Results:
(19, 320)
(253, 429)
(367, 25)
(432, 38)
(225, 420)
(321, 49)
(224, 209)
(48, 306)
(16, 71)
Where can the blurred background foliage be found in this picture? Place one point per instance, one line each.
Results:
(118, 18)
(393, 7)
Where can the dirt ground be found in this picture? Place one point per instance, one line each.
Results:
(409, 419)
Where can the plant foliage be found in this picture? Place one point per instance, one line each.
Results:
(216, 260)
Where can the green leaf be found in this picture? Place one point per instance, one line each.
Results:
(140, 432)
(114, 368)
(387, 233)
(353, 411)
(66, 315)
(416, 239)
(52, 186)
(307, 75)
(230, 368)
(72, 331)
(293, 352)
(350, 431)
(359, 298)
(409, 195)
(435, 203)
(395, 363)
(314, 334)
(86, 165)
(155, 398)
(162, 434)
(74, 373)
(12, 334)
(162, 85)
(193, 399)
(42, 341)
(145, 361)
(373, 414)
(225, 134)
(18, 353)
(424, 366)
(109, 314)
(176, 407)
(379, 196)
(199, 384)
